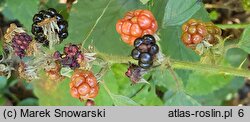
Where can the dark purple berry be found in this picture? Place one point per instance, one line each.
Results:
(145, 65)
(20, 44)
(135, 54)
(57, 55)
(71, 56)
(138, 42)
(71, 50)
(149, 39)
(37, 18)
(146, 58)
(154, 49)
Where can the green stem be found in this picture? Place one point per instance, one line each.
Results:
(210, 68)
(233, 26)
(113, 59)
(182, 65)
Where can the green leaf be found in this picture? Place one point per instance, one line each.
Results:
(148, 97)
(2, 100)
(144, 1)
(176, 12)
(246, 4)
(140, 93)
(123, 82)
(203, 83)
(3, 82)
(236, 56)
(23, 10)
(51, 93)
(2, 4)
(95, 23)
(219, 96)
(181, 99)
(28, 102)
(120, 100)
(245, 40)
(103, 98)
(165, 79)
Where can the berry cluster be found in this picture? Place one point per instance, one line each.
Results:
(72, 56)
(83, 85)
(136, 24)
(46, 16)
(196, 31)
(20, 43)
(145, 50)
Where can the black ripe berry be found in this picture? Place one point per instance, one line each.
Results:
(52, 11)
(40, 37)
(146, 58)
(47, 15)
(149, 39)
(37, 18)
(145, 51)
(42, 12)
(63, 26)
(138, 42)
(154, 49)
(50, 15)
(145, 65)
(63, 35)
(36, 29)
(59, 17)
(135, 54)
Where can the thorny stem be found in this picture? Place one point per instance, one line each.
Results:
(210, 68)
(175, 64)
(97, 21)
